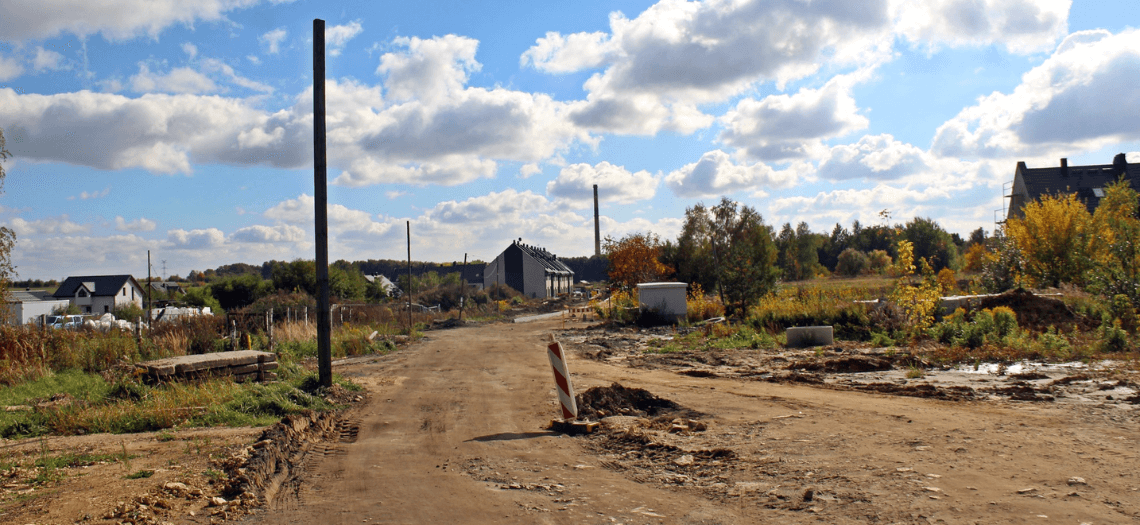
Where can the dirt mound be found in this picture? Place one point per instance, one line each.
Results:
(602, 401)
(450, 322)
(1038, 313)
(844, 365)
(952, 393)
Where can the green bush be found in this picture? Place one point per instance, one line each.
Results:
(852, 262)
(881, 339)
(1113, 339)
(995, 326)
(130, 312)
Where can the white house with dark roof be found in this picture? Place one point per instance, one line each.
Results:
(99, 294)
(533, 271)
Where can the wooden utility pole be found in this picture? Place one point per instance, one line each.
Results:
(148, 287)
(409, 290)
(463, 287)
(321, 198)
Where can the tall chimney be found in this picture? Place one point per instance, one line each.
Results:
(1064, 167)
(597, 230)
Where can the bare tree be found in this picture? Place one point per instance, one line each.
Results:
(7, 240)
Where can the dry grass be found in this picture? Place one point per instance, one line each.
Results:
(295, 331)
(173, 343)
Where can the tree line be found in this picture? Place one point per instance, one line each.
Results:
(729, 250)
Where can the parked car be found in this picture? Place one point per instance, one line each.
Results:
(73, 322)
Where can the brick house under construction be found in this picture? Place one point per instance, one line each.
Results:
(1087, 182)
(531, 270)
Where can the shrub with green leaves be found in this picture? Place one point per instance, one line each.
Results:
(1113, 339)
(995, 326)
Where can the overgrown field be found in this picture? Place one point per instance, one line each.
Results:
(1011, 327)
(63, 382)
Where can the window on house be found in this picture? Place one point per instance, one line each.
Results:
(1099, 192)
(87, 309)
(82, 292)
(124, 292)
(106, 308)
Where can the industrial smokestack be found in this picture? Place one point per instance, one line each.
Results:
(597, 230)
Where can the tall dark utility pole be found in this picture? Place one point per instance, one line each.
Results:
(597, 230)
(321, 199)
(409, 290)
(148, 303)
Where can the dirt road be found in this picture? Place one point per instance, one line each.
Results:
(451, 432)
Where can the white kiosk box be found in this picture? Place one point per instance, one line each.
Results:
(666, 299)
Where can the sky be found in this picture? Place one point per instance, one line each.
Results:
(184, 127)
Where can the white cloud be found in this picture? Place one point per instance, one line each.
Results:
(528, 169)
(874, 157)
(1080, 98)
(615, 184)
(253, 59)
(782, 127)
(716, 174)
(142, 224)
(430, 70)
(214, 65)
(178, 80)
(555, 53)
(84, 195)
(337, 36)
(450, 136)
(491, 209)
(156, 132)
(272, 40)
(10, 68)
(394, 194)
(846, 205)
(1023, 26)
(301, 211)
(195, 239)
(660, 66)
(268, 234)
(676, 55)
(51, 225)
(190, 49)
(447, 171)
(55, 257)
(119, 20)
(47, 60)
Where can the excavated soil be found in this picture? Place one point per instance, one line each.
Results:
(599, 402)
(1037, 313)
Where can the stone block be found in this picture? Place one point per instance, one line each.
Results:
(807, 336)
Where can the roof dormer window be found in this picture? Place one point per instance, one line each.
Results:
(1099, 192)
(82, 292)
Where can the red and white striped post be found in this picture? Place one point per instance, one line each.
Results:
(562, 378)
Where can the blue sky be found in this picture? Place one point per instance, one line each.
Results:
(184, 127)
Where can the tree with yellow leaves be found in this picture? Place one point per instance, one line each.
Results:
(1115, 248)
(918, 298)
(1053, 238)
(634, 259)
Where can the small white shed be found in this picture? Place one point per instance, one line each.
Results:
(668, 299)
(28, 306)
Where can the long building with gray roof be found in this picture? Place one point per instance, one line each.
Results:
(533, 271)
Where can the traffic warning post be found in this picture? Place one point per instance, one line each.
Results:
(569, 423)
(557, 357)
